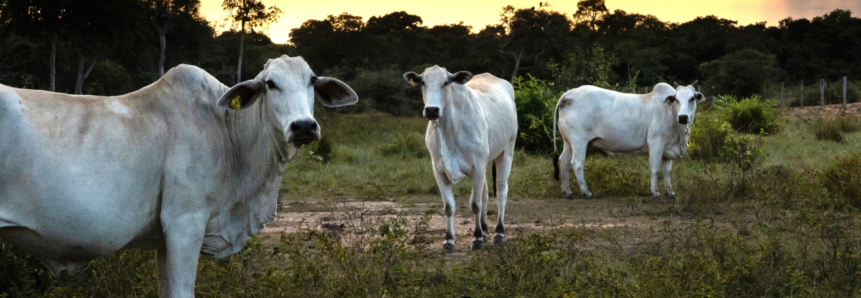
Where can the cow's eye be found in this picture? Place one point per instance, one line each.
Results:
(271, 85)
(313, 80)
(445, 84)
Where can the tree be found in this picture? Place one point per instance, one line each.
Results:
(528, 30)
(741, 73)
(13, 14)
(589, 12)
(250, 13)
(163, 12)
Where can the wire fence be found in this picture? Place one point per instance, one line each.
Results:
(817, 93)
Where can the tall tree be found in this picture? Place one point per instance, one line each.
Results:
(528, 30)
(589, 12)
(250, 13)
(49, 18)
(13, 15)
(163, 12)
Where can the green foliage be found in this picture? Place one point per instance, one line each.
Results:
(385, 91)
(709, 135)
(749, 115)
(834, 129)
(582, 66)
(742, 73)
(536, 103)
(410, 144)
(843, 177)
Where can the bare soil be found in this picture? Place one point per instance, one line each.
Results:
(828, 111)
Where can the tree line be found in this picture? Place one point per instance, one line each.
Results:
(116, 46)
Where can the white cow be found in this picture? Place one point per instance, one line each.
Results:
(657, 124)
(472, 121)
(184, 166)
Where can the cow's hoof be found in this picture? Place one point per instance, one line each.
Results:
(588, 197)
(498, 239)
(569, 196)
(449, 247)
(671, 196)
(476, 245)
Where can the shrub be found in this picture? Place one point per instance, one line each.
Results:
(385, 91)
(405, 144)
(833, 129)
(536, 103)
(749, 115)
(708, 136)
(843, 177)
(323, 150)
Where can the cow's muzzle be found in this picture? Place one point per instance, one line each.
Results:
(683, 119)
(304, 132)
(431, 113)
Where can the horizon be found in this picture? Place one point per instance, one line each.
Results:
(479, 14)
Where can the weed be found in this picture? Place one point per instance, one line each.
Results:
(834, 129)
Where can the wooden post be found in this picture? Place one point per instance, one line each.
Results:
(844, 92)
(782, 103)
(822, 92)
(801, 103)
(714, 95)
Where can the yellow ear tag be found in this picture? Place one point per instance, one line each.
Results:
(235, 103)
(413, 83)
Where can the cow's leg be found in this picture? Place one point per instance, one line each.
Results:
(577, 161)
(565, 169)
(485, 200)
(177, 260)
(479, 184)
(503, 170)
(667, 164)
(656, 153)
(445, 189)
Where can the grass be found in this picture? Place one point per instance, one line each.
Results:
(781, 229)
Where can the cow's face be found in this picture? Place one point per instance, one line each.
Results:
(687, 98)
(436, 87)
(288, 87)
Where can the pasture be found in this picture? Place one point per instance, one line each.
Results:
(360, 216)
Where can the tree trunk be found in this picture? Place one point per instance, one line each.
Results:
(52, 63)
(516, 65)
(241, 45)
(162, 46)
(82, 75)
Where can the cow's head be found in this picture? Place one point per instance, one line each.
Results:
(687, 98)
(288, 86)
(436, 87)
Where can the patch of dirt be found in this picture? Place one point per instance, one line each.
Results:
(820, 112)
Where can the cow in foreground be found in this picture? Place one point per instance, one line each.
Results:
(472, 121)
(184, 166)
(657, 124)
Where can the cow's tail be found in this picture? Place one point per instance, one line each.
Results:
(555, 150)
(493, 174)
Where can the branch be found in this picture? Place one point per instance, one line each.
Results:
(536, 59)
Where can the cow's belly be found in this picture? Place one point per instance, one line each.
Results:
(620, 146)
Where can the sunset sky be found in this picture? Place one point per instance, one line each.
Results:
(480, 13)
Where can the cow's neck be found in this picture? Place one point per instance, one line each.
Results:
(254, 175)
(681, 133)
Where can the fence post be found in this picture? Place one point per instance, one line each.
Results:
(714, 95)
(801, 103)
(844, 92)
(782, 103)
(822, 92)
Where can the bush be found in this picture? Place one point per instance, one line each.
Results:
(536, 103)
(843, 177)
(410, 144)
(709, 134)
(833, 129)
(749, 115)
(386, 91)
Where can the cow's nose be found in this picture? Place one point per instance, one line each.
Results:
(304, 131)
(432, 113)
(683, 119)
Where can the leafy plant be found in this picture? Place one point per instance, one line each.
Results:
(536, 102)
(749, 115)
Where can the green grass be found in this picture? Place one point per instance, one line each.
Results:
(778, 228)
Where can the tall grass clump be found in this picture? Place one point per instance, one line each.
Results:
(834, 129)
(749, 115)
(405, 144)
(843, 177)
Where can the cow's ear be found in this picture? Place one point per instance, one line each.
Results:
(333, 93)
(700, 97)
(413, 78)
(670, 99)
(675, 84)
(242, 95)
(460, 77)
